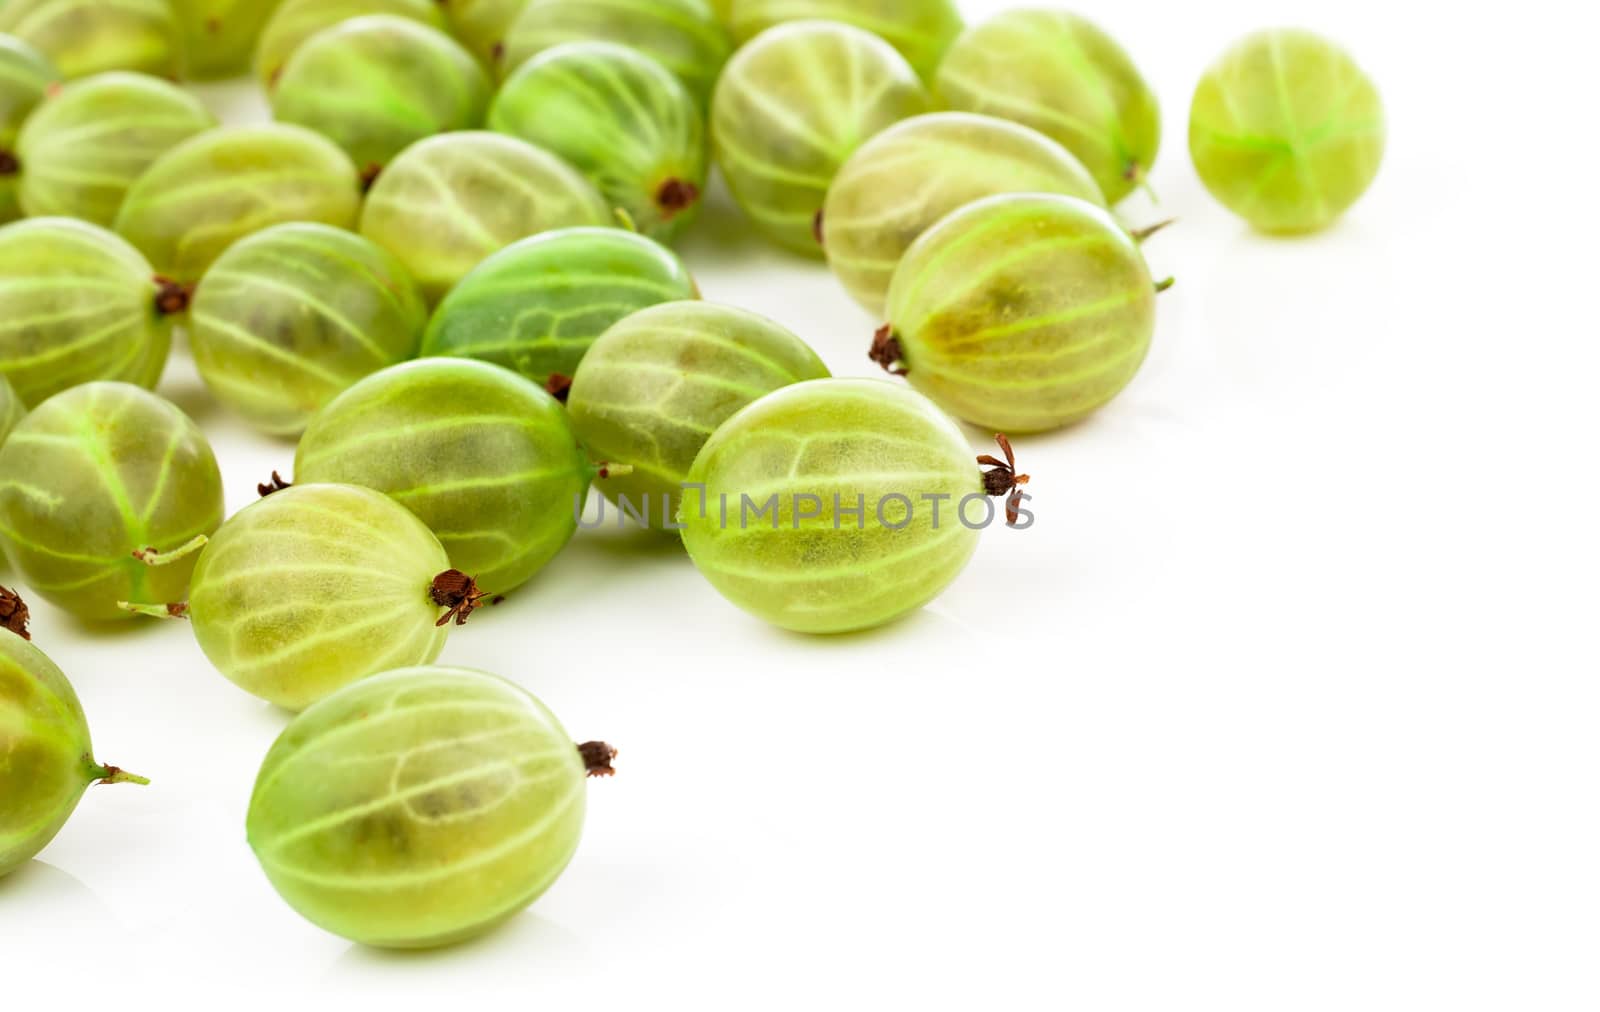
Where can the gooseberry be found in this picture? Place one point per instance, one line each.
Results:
(785, 119)
(1021, 312)
(289, 317)
(219, 35)
(211, 190)
(375, 85)
(83, 37)
(653, 389)
(1063, 76)
(25, 78)
(482, 25)
(107, 492)
(485, 458)
(683, 35)
(538, 305)
(295, 21)
(449, 202)
(903, 181)
(922, 30)
(78, 304)
(835, 505)
(1287, 131)
(317, 586)
(46, 756)
(86, 144)
(622, 120)
(420, 807)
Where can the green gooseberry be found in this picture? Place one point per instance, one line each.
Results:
(46, 757)
(682, 35)
(79, 304)
(482, 25)
(11, 409)
(107, 491)
(83, 37)
(86, 144)
(375, 85)
(290, 317)
(903, 181)
(214, 189)
(487, 459)
(315, 587)
(1063, 76)
(421, 807)
(622, 120)
(834, 505)
(1287, 131)
(1021, 313)
(219, 35)
(25, 79)
(295, 21)
(536, 306)
(922, 30)
(449, 202)
(785, 119)
(653, 389)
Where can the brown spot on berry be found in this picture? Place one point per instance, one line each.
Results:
(887, 353)
(9, 166)
(14, 613)
(676, 196)
(458, 592)
(276, 485)
(172, 297)
(597, 757)
(1003, 480)
(558, 386)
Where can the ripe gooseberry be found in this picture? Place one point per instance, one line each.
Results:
(447, 203)
(78, 304)
(1287, 131)
(288, 318)
(922, 30)
(903, 181)
(375, 85)
(784, 119)
(487, 459)
(11, 409)
(482, 25)
(219, 35)
(295, 21)
(87, 143)
(46, 756)
(83, 37)
(211, 190)
(536, 306)
(317, 586)
(653, 389)
(1022, 312)
(25, 78)
(1063, 76)
(682, 35)
(420, 807)
(621, 119)
(108, 490)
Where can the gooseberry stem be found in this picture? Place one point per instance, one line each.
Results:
(151, 557)
(114, 775)
(626, 220)
(1140, 235)
(178, 609)
(1162, 286)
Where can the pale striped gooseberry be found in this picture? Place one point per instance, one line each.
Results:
(25, 78)
(482, 25)
(922, 30)
(83, 37)
(295, 21)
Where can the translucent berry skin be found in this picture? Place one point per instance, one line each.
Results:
(94, 475)
(537, 306)
(622, 119)
(922, 30)
(682, 35)
(1063, 76)
(1287, 131)
(315, 587)
(824, 438)
(1023, 313)
(448, 203)
(487, 459)
(83, 37)
(483, 25)
(220, 35)
(903, 181)
(85, 145)
(11, 409)
(295, 21)
(214, 189)
(46, 757)
(290, 317)
(784, 119)
(77, 304)
(655, 387)
(25, 77)
(418, 808)
(376, 85)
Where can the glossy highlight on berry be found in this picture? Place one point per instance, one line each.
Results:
(922, 30)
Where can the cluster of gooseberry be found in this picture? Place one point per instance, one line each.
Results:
(443, 268)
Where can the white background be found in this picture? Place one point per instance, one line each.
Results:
(1287, 703)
